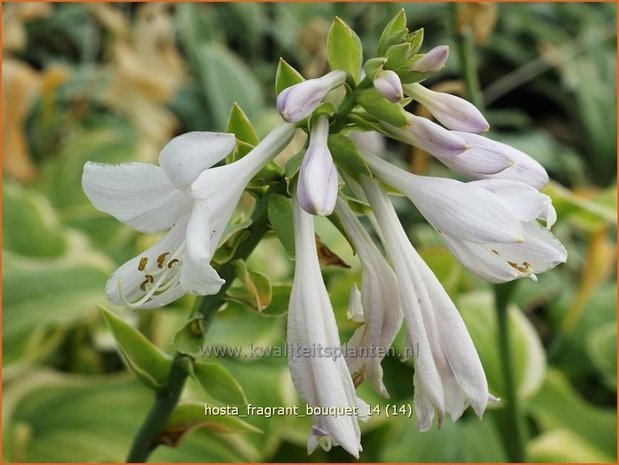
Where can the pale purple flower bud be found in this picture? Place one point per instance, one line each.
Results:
(488, 153)
(429, 136)
(318, 183)
(451, 111)
(432, 61)
(299, 101)
(388, 83)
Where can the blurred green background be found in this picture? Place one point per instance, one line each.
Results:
(114, 82)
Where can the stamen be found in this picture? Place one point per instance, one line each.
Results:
(172, 263)
(161, 259)
(161, 285)
(143, 262)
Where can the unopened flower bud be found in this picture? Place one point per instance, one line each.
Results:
(451, 111)
(299, 101)
(432, 61)
(429, 136)
(388, 83)
(318, 184)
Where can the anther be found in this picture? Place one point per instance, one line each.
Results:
(172, 263)
(143, 262)
(161, 259)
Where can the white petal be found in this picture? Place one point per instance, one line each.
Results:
(198, 276)
(137, 194)
(186, 156)
(523, 200)
(453, 112)
(124, 284)
(523, 168)
(389, 85)
(355, 307)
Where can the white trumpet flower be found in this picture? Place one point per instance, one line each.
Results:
(502, 262)
(318, 184)
(489, 159)
(321, 381)
(451, 111)
(448, 373)
(463, 210)
(388, 83)
(379, 300)
(432, 61)
(297, 102)
(196, 207)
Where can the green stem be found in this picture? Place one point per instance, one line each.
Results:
(510, 420)
(465, 49)
(167, 397)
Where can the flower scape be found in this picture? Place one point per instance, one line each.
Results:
(497, 223)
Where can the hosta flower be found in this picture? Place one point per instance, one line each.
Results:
(321, 381)
(451, 111)
(501, 262)
(490, 225)
(456, 208)
(173, 196)
(428, 136)
(433, 61)
(300, 100)
(318, 184)
(489, 159)
(388, 83)
(448, 373)
(379, 304)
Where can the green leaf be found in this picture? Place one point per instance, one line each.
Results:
(189, 416)
(286, 76)
(558, 406)
(279, 301)
(376, 104)
(347, 155)
(218, 383)
(469, 440)
(529, 364)
(563, 446)
(241, 127)
(190, 338)
(143, 358)
(227, 79)
(416, 40)
(374, 66)
(394, 29)
(30, 224)
(399, 56)
(279, 211)
(344, 50)
(256, 289)
(602, 348)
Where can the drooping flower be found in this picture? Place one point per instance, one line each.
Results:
(448, 373)
(297, 102)
(433, 60)
(318, 183)
(153, 198)
(456, 208)
(379, 304)
(502, 262)
(490, 225)
(388, 83)
(450, 110)
(321, 381)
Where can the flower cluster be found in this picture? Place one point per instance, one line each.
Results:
(497, 224)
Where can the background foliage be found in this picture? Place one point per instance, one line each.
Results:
(114, 82)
